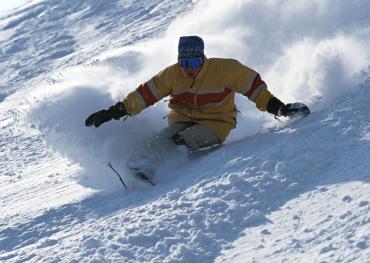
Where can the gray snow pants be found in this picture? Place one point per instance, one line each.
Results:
(163, 144)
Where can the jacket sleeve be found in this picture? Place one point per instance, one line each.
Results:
(148, 93)
(250, 84)
(257, 91)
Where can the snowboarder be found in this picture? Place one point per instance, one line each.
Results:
(203, 112)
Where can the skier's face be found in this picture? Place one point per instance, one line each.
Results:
(191, 66)
(192, 72)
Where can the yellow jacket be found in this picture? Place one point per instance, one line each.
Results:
(208, 99)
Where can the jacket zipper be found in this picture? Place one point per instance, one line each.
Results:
(195, 94)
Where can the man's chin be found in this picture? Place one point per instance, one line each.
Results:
(191, 75)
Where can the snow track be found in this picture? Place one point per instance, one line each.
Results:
(236, 187)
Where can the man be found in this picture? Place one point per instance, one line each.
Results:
(202, 105)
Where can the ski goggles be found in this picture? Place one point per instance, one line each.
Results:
(190, 62)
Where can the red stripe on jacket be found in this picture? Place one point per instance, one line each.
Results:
(183, 99)
(189, 99)
(256, 83)
(147, 95)
(204, 99)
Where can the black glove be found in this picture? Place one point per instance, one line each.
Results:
(113, 112)
(293, 109)
(276, 107)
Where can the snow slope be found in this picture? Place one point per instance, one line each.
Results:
(276, 192)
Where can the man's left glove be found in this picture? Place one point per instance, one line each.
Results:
(276, 107)
(113, 112)
(294, 109)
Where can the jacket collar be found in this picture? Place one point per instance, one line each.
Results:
(204, 69)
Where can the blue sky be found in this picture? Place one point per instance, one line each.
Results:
(8, 4)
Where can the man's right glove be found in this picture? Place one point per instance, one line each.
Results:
(113, 112)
